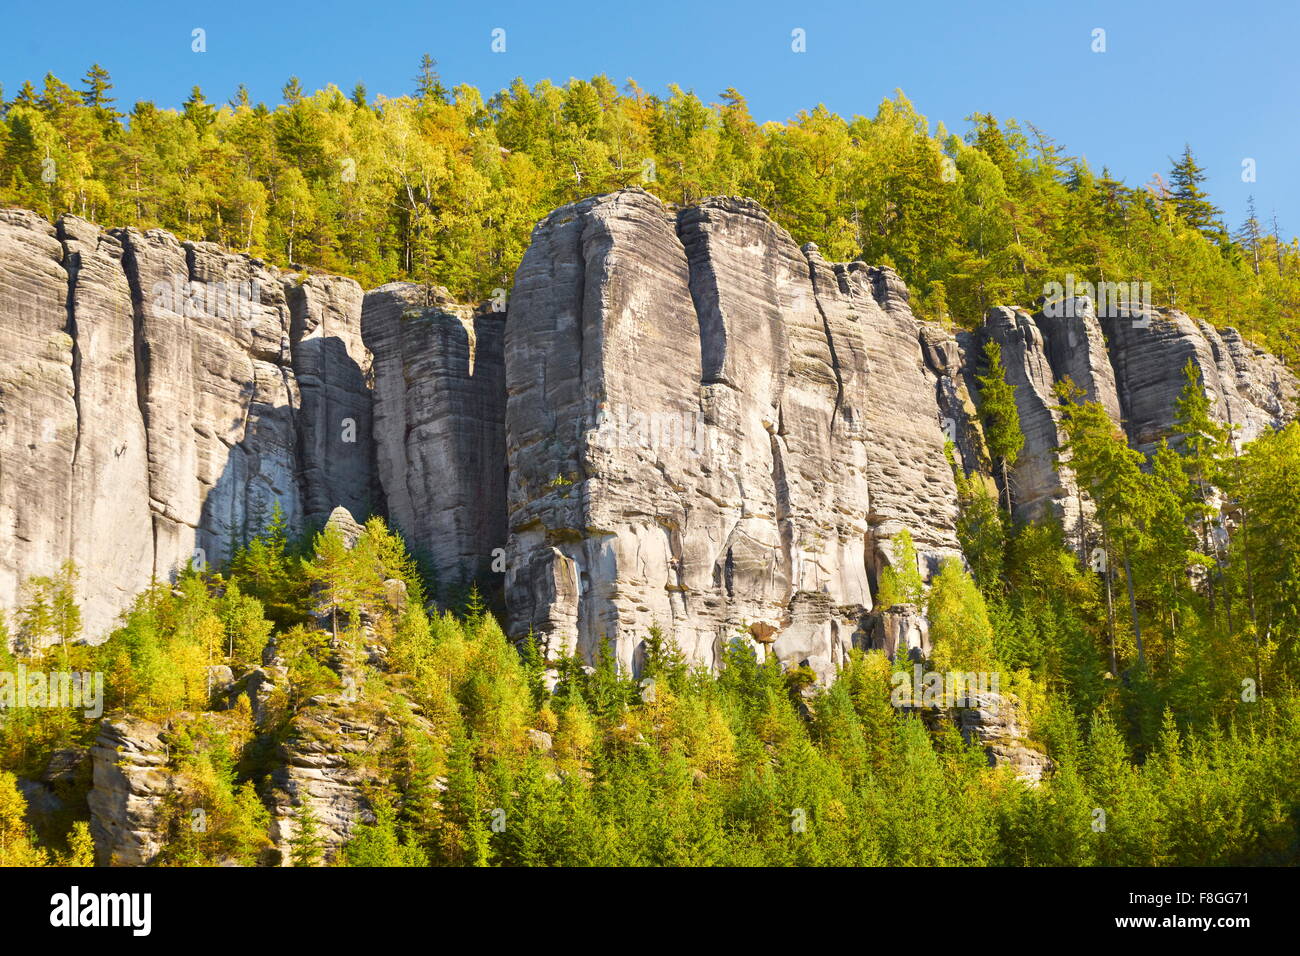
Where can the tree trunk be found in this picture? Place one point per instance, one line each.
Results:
(1006, 486)
(1110, 601)
(1133, 609)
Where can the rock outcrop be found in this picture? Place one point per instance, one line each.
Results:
(1039, 488)
(131, 784)
(159, 399)
(321, 768)
(1248, 389)
(439, 410)
(712, 431)
(685, 420)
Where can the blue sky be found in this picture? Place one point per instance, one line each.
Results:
(1223, 77)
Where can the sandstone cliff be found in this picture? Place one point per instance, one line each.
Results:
(685, 419)
(712, 431)
(439, 410)
(158, 399)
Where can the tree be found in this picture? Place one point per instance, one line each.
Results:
(16, 847)
(1111, 472)
(428, 83)
(960, 631)
(1251, 234)
(1001, 417)
(1191, 201)
(306, 848)
(901, 581)
(51, 613)
(1203, 445)
(95, 95)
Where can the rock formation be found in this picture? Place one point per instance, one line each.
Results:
(712, 431)
(158, 399)
(131, 783)
(685, 420)
(439, 409)
(1248, 388)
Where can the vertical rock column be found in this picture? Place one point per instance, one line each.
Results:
(439, 424)
(606, 444)
(711, 431)
(38, 409)
(111, 538)
(218, 392)
(333, 368)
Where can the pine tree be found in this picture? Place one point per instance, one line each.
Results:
(305, 849)
(1111, 472)
(95, 95)
(1204, 444)
(428, 83)
(1251, 234)
(1191, 201)
(1001, 417)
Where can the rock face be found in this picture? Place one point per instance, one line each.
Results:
(1131, 362)
(685, 420)
(38, 407)
(333, 369)
(1249, 389)
(158, 399)
(901, 629)
(439, 410)
(712, 431)
(996, 722)
(1039, 489)
(130, 785)
(319, 769)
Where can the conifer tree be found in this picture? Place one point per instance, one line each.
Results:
(1001, 416)
(1191, 200)
(305, 849)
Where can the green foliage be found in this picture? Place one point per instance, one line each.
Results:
(901, 581)
(960, 630)
(1001, 416)
(443, 186)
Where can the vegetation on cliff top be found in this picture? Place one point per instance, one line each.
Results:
(444, 187)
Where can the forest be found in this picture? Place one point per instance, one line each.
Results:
(1161, 685)
(443, 186)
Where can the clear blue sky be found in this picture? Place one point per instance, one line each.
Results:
(1222, 76)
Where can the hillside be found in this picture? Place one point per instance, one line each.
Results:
(738, 508)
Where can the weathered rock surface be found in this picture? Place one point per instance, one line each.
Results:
(1039, 488)
(1249, 389)
(131, 783)
(323, 766)
(439, 411)
(151, 410)
(38, 408)
(901, 629)
(709, 429)
(333, 368)
(996, 722)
